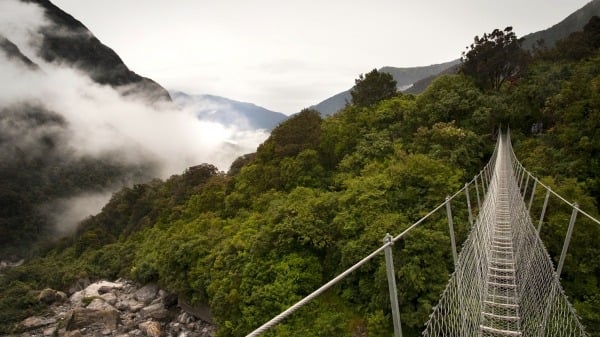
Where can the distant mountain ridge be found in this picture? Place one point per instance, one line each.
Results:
(416, 79)
(570, 24)
(405, 78)
(246, 116)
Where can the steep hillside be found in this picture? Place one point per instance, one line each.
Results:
(405, 77)
(561, 30)
(318, 195)
(246, 116)
(422, 84)
(68, 41)
(43, 165)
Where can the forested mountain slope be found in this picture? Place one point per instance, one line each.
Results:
(319, 194)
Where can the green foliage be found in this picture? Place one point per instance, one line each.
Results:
(494, 58)
(319, 195)
(300, 132)
(372, 88)
(580, 44)
(18, 301)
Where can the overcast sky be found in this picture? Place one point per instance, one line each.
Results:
(288, 55)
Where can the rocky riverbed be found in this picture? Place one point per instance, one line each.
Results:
(115, 309)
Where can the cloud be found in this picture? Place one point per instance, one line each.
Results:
(100, 121)
(21, 22)
(97, 121)
(66, 213)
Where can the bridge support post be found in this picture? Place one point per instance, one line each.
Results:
(526, 185)
(391, 276)
(561, 262)
(521, 180)
(469, 204)
(543, 211)
(451, 227)
(483, 183)
(531, 197)
(477, 190)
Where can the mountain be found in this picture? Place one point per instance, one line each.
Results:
(422, 84)
(415, 80)
(316, 197)
(69, 42)
(570, 24)
(405, 78)
(43, 162)
(245, 116)
(13, 52)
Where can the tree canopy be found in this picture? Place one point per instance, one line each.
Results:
(320, 194)
(373, 87)
(494, 58)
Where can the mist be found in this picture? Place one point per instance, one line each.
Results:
(99, 121)
(66, 213)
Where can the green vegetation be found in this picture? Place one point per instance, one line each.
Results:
(494, 58)
(373, 87)
(37, 167)
(320, 194)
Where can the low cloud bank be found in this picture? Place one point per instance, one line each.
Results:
(98, 121)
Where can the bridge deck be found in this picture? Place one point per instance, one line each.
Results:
(500, 310)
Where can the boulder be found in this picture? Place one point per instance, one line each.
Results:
(109, 298)
(80, 318)
(92, 290)
(135, 306)
(151, 329)
(105, 289)
(81, 284)
(146, 293)
(50, 296)
(156, 311)
(35, 322)
(99, 304)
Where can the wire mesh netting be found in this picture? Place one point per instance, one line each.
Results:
(504, 282)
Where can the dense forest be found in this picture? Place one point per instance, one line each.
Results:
(320, 194)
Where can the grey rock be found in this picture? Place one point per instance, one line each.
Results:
(156, 311)
(35, 322)
(102, 319)
(135, 306)
(80, 318)
(136, 332)
(109, 298)
(105, 289)
(99, 304)
(74, 333)
(152, 329)
(185, 318)
(122, 306)
(147, 293)
(81, 284)
(49, 331)
(50, 296)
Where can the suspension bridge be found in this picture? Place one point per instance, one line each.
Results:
(504, 281)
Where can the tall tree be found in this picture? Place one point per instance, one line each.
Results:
(373, 87)
(494, 58)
